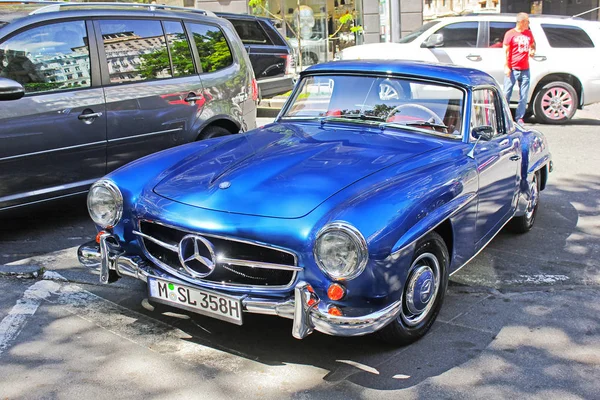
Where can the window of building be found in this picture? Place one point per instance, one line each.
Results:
(142, 35)
(183, 62)
(24, 57)
(250, 32)
(212, 46)
(566, 37)
(462, 34)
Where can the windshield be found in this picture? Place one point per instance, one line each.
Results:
(424, 106)
(415, 34)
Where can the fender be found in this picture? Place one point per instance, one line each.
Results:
(432, 220)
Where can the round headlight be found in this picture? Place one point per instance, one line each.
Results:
(341, 251)
(105, 203)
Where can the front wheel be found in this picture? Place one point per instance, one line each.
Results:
(423, 292)
(555, 103)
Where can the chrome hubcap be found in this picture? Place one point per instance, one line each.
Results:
(421, 290)
(533, 200)
(557, 103)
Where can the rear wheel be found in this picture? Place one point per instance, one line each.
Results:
(555, 103)
(525, 222)
(423, 292)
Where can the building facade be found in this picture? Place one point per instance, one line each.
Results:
(324, 27)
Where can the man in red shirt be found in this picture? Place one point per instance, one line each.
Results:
(518, 45)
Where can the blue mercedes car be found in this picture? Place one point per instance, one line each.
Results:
(376, 182)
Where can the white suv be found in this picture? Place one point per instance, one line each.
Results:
(565, 71)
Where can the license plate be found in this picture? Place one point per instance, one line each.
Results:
(205, 302)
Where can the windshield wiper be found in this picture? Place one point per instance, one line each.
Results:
(414, 123)
(361, 116)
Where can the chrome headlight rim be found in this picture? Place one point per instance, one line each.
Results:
(356, 237)
(116, 193)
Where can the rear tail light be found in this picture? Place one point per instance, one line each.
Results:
(254, 89)
(288, 64)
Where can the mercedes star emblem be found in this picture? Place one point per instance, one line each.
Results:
(197, 256)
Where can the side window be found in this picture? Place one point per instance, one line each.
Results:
(212, 46)
(183, 64)
(484, 112)
(566, 37)
(462, 34)
(497, 32)
(49, 57)
(135, 50)
(250, 32)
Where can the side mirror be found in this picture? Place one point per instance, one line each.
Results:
(435, 40)
(484, 132)
(10, 90)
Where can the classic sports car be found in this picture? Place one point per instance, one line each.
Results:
(376, 182)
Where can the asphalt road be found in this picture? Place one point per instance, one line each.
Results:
(521, 320)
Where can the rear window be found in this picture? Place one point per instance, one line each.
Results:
(212, 47)
(250, 32)
(566, 37)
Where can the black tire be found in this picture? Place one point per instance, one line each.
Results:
(213, 131)
(555, 103)
(525, 222)
(410, 326)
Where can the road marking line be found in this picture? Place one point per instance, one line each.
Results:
(12, 325)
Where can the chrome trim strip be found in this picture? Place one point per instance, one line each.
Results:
(44, 200)
(168, 246)
(256, 264)
(483, 247)
(37, 153)
(144, 135)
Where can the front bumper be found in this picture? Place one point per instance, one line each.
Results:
(306, 310)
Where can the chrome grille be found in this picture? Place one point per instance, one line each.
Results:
(238, 263)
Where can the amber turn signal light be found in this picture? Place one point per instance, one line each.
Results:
(336, 291)
(335, 311)
(98, 236)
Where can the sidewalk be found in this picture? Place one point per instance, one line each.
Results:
(269, 108)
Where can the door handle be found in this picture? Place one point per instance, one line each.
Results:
(503, 143)
(192, 97)
(89, 115)
(540, 58)
(474, 57)
(515, 158)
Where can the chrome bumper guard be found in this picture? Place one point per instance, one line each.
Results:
(304, 308)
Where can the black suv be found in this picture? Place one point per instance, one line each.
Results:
(270, 54)
(86, 88)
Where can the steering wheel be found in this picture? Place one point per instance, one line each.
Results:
(411, 106)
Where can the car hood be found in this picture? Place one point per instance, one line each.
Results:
(284, 170)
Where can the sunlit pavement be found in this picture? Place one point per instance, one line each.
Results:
(522, 320)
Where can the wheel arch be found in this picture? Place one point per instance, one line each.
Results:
(447, 233)
(220, 121)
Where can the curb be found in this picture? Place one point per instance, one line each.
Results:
(21, 271)
(267, 112)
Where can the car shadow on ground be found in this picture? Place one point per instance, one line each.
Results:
(44, 228)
